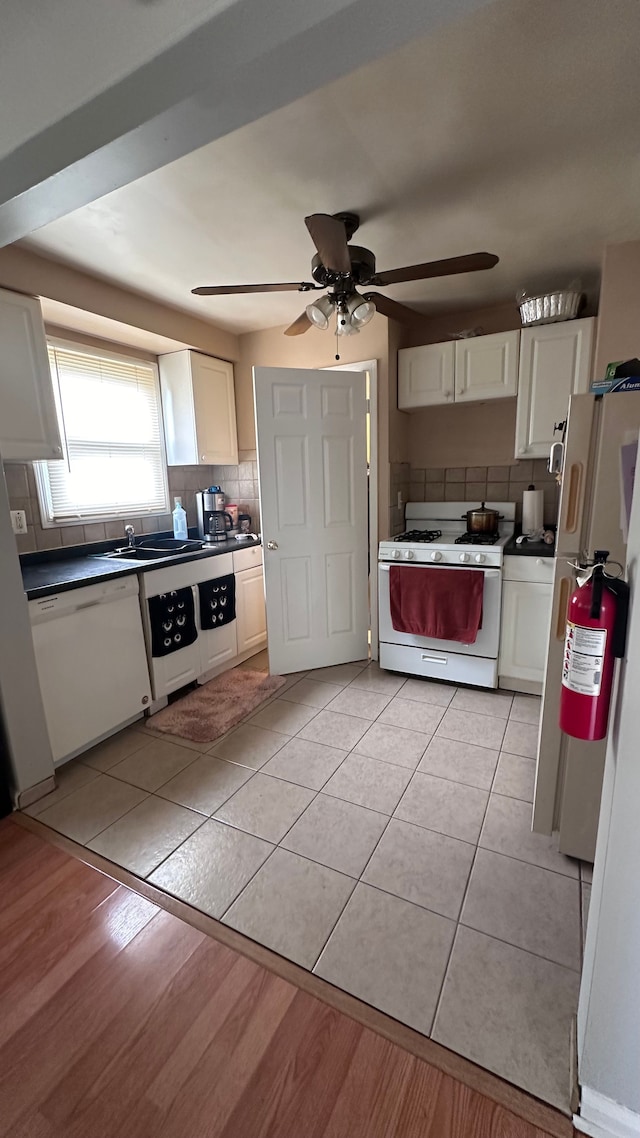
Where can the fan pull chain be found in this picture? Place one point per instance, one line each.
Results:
(337, 355)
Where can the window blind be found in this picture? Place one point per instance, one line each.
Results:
(110, 419)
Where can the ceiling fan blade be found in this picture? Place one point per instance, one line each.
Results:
(330, 239)
(388, 307)
(470, 263)
(232, 290)
(302, 324)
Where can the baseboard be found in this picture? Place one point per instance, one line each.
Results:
(602, 1117)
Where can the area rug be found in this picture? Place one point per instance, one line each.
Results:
(210, 711)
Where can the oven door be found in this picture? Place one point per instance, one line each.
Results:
(488, 639)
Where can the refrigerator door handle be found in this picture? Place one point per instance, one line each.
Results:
(576, 473)
(563, 605)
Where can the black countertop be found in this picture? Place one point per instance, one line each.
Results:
(43, 576)
(529, 549)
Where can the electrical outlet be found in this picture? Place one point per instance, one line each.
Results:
(18, 521)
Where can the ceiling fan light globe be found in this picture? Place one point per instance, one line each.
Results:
(344, 326)
(319, 312)
(362, 312)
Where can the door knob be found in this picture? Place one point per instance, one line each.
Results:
(272, 545)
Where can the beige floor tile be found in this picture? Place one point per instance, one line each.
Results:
(145, 836)
(91, 808)
(145, 726)
(521, 739)
(470, 727)
(266, 807)
(282, 716)
(535, 909)
(359, 701)
(375, 678)
(212, 867)
(424, 691)
(526, 709)
(448, 807)
(205, 784)
(291, 906)
(510, 1011)
(584, 908)
(248, 745)
(312, 693)
(412, 714)
(515, 777)
(306, 763)
(460, 762)
(69, 777)
(338, 834)
(153, 765)
(429, 869)
(338, 674)
(257, 663)
(392, 745)
(389, 953)
(483, 702)
(105, 755)
(368, 782)
(336, 730)
(507, 830)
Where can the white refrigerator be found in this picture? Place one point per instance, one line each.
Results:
(569, 771)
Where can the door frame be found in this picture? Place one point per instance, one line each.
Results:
(371, 368)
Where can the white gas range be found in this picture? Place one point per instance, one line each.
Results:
(436, 539)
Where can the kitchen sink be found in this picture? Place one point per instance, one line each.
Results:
(152, 548)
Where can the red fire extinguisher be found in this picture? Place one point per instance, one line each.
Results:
(595, 637)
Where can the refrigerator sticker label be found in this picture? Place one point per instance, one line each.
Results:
(583, 658)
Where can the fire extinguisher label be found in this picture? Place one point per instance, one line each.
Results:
(583, 658)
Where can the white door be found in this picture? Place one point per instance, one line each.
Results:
(555, 363)
(425, 375)
(312, 460)
(487, 367)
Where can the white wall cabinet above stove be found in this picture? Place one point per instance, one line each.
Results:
(462, 371)
(198, 402)
(28, 421)
(555, 363)
(527, 588)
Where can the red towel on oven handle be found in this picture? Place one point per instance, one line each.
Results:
(445, 604)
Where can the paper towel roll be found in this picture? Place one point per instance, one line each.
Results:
(532, 511)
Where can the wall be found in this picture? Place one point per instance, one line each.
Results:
(317, 349)
(618, 336)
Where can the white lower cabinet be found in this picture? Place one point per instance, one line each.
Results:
(251, 615)
(526, 613)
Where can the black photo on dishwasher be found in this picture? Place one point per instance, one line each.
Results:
(173, 621)
(217, 601)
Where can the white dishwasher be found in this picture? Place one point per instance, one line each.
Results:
(92, 662)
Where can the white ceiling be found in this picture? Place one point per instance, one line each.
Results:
(515, 130)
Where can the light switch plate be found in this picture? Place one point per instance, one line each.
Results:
(400, 502)
(18, 521)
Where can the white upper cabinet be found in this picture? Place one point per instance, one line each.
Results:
(425, 375)
(555, 363)
(28, 420)
(199, 408)
(486, 367)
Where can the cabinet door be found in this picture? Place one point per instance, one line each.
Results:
(425, 375)
(217, 645)
(214, 410)
(526, 612)
(28, 421)
(251, 617)
(555, 363)
(486, 367)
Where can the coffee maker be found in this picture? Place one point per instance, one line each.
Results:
(214, 524)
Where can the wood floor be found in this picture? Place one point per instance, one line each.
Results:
(119, 1019)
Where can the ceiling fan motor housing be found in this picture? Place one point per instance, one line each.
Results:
(363, 267)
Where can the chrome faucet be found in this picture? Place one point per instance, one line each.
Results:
(131, 536)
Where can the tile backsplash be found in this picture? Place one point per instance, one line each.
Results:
(240, 484)
(477, 484)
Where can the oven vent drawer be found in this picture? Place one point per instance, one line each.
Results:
(448, 666)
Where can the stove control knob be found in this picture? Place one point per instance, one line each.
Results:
(480, 558)
(408, 554)
(465, 557)
(436, 555)
(396, 554)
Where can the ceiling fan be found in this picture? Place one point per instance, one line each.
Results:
(340, 268)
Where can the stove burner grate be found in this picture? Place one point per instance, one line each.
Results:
(477, 539)
(420, 535)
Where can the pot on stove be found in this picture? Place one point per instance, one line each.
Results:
(482, 520)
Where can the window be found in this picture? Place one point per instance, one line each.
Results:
(111, 423)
